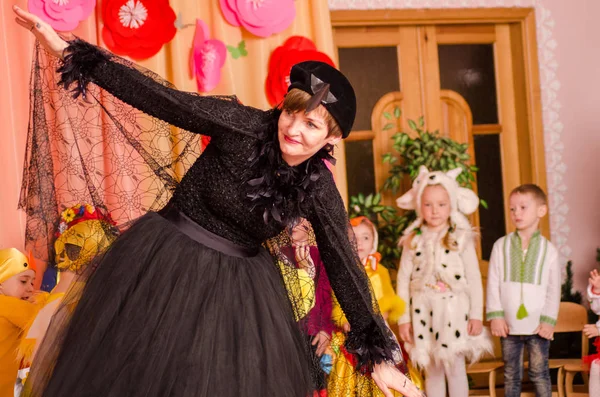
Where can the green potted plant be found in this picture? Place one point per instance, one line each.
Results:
(410, 151)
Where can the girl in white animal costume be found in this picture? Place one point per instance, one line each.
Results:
(439, 275)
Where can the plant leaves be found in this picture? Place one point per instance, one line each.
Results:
(397, 112)
(387, 115)
(388, 126)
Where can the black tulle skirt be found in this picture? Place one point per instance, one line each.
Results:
(165, 315)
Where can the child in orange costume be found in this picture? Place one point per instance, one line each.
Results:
(345, 381)
(16, 312)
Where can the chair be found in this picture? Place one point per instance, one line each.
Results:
(570, 369)
(486, 367)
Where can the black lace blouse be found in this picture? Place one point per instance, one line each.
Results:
(241, 189)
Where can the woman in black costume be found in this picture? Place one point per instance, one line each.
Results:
(187, 302)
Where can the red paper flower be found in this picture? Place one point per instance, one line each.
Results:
(137, 28)
(260, 17)
(296, 49)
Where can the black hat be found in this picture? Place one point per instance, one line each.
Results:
(330, 88)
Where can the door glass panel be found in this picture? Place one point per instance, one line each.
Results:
(469, 70)
(490, 189)
(373, 72)
(359, 167)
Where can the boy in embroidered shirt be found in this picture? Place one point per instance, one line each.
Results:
(523, 292)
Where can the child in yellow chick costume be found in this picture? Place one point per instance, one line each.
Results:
(347, 382)
(84, 231)
(16, 311)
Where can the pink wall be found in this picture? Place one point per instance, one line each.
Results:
(577, 34)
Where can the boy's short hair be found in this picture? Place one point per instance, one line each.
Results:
(534, 190)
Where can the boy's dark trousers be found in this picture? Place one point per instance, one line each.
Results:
(539, 371)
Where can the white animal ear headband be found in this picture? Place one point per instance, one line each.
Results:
(461, 199)
(408, 200)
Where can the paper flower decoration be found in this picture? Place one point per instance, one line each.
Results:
(260, 17)
(137, 28)
(207, 58)
(62, 15)
(296, 49)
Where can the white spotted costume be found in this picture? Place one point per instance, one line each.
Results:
(443, 285)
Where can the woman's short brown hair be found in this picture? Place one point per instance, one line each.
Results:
(296, 101)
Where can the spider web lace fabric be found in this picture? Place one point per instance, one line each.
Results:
(99, 151)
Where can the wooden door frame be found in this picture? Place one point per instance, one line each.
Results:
(522, 25)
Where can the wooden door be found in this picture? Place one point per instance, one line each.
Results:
(471, 75)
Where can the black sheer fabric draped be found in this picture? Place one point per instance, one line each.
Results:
(196, 297)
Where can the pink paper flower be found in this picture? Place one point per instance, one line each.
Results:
(207, 58)
(62, 15)
(260, 17)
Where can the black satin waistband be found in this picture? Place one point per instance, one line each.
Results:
(196, 232)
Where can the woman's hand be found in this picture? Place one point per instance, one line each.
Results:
(42, 31)
(387, 377)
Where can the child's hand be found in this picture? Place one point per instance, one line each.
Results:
(346, 327)
(594, 281)
(590, 330)
(321, 340)
(304, 259)
(405, 331)
(474, 327)
(546, 331)
(499, 327)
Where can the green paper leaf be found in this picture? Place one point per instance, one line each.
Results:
(387, 115)
(388, 126)
(242, 48)
(397, 112)
(412, 125)
(239, 51)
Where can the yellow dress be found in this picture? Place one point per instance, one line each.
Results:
(36, 329)
(344, 381)
(15, 316)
